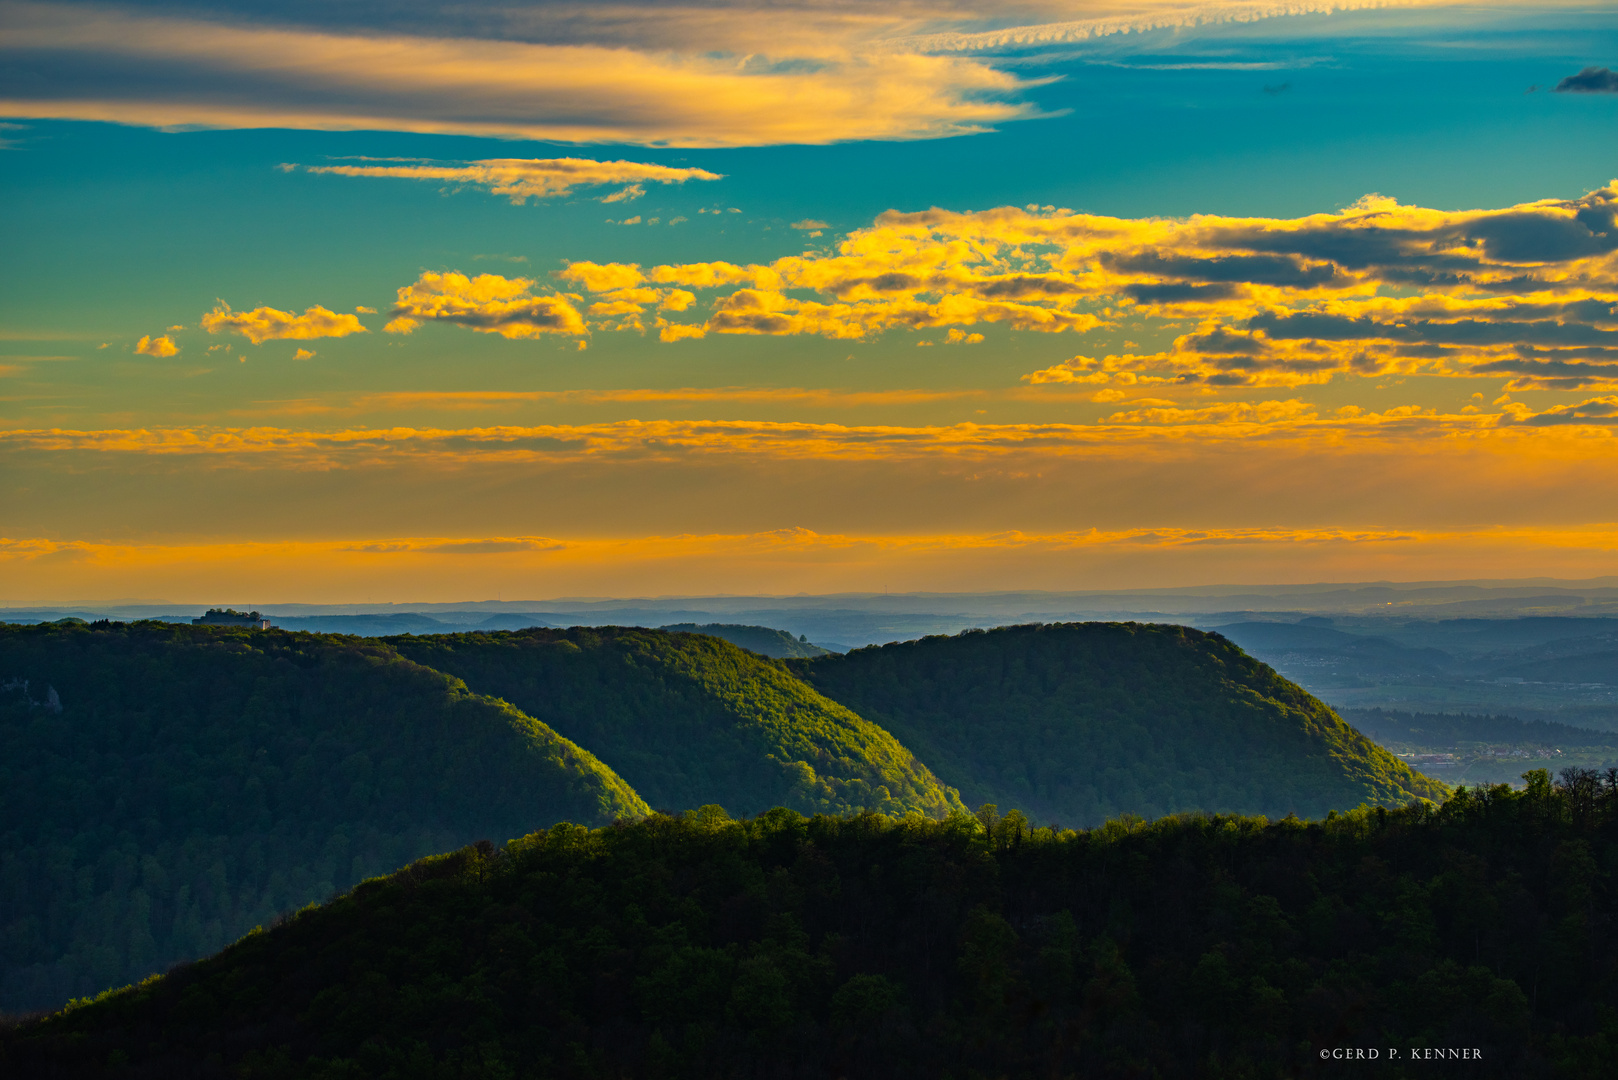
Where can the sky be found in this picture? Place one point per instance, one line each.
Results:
(360, 301)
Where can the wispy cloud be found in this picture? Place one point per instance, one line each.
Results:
(1601, 411)
(521, 179)
(741, 395)
(1151, 430)
(572, 75)
(1107, 18)
(497, 545)
(701, 73)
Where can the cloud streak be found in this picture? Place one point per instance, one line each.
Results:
(521, 179)
(1156, 429)
(1108, 18)
(703, 73)
(88, 63)
(748, 395)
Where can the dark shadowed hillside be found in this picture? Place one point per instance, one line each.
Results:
(1078, 722)
(199, 780)
(690, 720)
(874, 949)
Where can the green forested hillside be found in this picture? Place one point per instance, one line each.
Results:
(876, 949)
(690, 720)
(1079, 722)
(199, 780)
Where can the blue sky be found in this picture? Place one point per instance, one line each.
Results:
(130, 232)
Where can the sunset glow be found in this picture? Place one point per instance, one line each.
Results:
(333, 305)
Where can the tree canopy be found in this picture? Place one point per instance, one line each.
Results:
(870, 947)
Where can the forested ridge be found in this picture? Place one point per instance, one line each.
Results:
(197, 781)
(867, 946)
(1080, 722)
(690, 719)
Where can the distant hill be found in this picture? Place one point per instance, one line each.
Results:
(200, 780)
(1078, 722)
(760, 639)
(384, 624)
(1448, 729)
(506, 621)
(866, 948)
(1593, 667)
(1354, 655)
(378, 625)
(690, 719)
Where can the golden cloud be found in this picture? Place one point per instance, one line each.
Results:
(521, 179)
(488, 304)
(602, 277)
(1529, 292)
(158, 346)
(267, 324)
(613, 76)
(667, 331)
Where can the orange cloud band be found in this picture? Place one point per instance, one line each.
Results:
(483, 399)
(1586, 431)
(785, 561)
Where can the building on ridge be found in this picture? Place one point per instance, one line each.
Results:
(232, 617)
